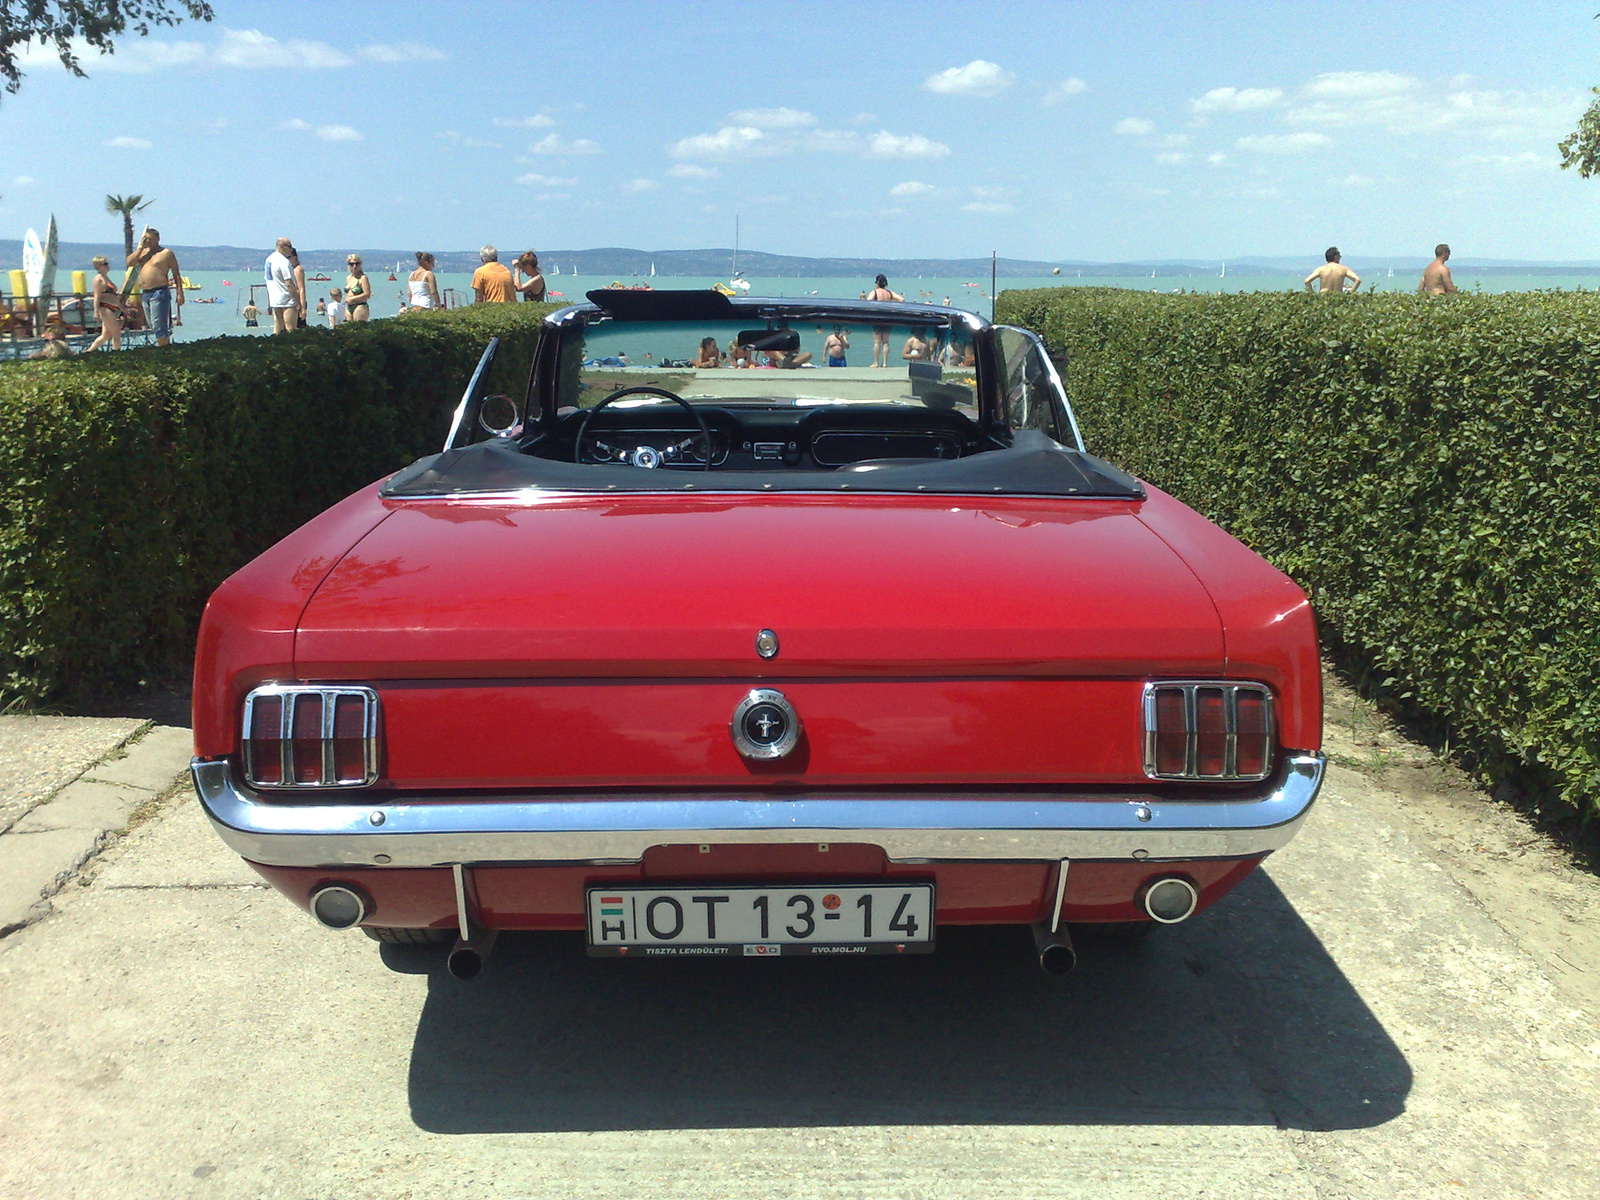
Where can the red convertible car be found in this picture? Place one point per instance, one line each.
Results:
(758, 627)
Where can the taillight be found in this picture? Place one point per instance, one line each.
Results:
(1207, 730)
(303, 736)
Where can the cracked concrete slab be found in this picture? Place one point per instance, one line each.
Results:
(39, 755)
(45, 846)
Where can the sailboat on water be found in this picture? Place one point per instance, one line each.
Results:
(737, 280)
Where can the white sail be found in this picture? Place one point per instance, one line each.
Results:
(652, 268)
(32, 261)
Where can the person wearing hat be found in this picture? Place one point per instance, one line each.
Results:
(107, 305)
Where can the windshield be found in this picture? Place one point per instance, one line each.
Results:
(773, 363)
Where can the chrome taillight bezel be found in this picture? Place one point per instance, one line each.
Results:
(1190, 689)
(289, 695)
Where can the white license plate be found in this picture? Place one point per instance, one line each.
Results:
(760, 922)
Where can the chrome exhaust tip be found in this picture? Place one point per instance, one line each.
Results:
(468, 955)
(1170, 900)
(339, 906)
(1056, 955)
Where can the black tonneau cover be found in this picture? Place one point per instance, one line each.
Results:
(1033, 465)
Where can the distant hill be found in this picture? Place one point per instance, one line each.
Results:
(623, 262)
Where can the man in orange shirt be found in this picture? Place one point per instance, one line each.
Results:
(491, 283)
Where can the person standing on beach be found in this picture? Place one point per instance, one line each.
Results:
(1436, 279)
(880, 336)
(284, 299)
(159, 279)
(527, 278)
(107, 305)
(422, 285)
(834, 349)
(357, 291)
(491, 283)
(1332, 275)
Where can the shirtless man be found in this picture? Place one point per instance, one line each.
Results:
(159, 282)
(1331, 275)
(835, 348)
(1436, 279)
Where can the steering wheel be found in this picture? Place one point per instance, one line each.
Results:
(643, 390)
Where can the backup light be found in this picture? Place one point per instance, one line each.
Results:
(1209, 730)
(298, 736)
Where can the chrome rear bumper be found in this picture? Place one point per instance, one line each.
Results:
(603, 829)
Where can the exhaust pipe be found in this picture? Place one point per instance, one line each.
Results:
(1056, 955)
(468, 955)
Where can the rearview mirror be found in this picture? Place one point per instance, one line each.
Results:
(787, 340)
(498, 415)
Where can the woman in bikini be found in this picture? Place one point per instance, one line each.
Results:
(357, 291)
(424, 288)
(709, 356)
(107, 306)
(880, 335)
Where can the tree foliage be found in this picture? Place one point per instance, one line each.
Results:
(127, 206)
(95, 22)
(1581, 147)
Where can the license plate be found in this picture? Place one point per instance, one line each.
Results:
(760, 922)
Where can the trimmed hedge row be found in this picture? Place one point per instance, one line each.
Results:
(1426, 468)
(138, 481)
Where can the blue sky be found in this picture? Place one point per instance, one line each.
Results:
(1056, 131)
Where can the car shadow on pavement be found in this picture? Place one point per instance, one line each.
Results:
(1240, 1017)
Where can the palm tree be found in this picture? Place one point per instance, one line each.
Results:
(127, 206)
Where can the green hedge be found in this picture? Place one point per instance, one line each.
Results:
(138, 481)
(1426, 468)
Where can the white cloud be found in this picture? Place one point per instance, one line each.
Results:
(730, 139)
(641, 185)
(987, 207)
(534, 179)
(1526, 161)
(401, 52)
(1216, 158)
(556, 144)
(1173, 157)
(134, 57)
(328, 133)
(978, 78)
(691, 171)
(772, 118)
(1135, 127)
(911, 188)
(1358, 85)
(889, 145)
(864, 118)
(475, 143)
(1064, 90)
(252, 49)
(1227, 99)
(1403, 106)
(23, 180)
(128, 143)
(537, 121)
(1282, 143)
(1354, 181)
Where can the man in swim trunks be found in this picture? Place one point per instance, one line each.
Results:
(836, 345)
(159, 281)
(1436, 279)
(1332, 275)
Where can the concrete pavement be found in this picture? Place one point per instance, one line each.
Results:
(1381, 1011)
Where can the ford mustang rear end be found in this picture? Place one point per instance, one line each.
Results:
(758, 660)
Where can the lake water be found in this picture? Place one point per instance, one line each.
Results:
(230, 288)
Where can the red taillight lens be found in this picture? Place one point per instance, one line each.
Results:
(1171, 732)
(1211, 732)
(349, 739)
(1206, 729)
(265, 758)
(332, 732)
(306, 729)
(1251, 733)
